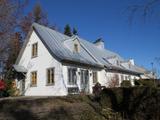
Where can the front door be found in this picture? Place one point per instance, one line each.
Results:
(84, 81)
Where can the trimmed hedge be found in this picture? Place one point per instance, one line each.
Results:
(145, 82)
(134, 103)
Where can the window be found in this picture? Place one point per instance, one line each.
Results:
(95, 77)
(72, 78)
(34, 50)
(126, 77)
(50, 76)
(122, 77)
(33, 78)
(84, 77)
(75, 47)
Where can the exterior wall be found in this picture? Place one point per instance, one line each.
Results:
(102, 77)
(40, 64)
(105, 78)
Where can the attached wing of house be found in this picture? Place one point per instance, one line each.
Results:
(66, 62)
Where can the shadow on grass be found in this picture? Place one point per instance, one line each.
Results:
(59, 114)
(22, 114)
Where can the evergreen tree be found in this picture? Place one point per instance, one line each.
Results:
(75, 31)
(67, 30)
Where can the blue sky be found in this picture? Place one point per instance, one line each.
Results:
(108, 19)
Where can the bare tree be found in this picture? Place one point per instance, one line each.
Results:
(144, 9)
(10, 14)
(37, 15)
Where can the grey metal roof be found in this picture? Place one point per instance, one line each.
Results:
(100, 54)
(89, 53)
(54, 41)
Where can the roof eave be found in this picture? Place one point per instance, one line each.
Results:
(125, 71)
(80, 63)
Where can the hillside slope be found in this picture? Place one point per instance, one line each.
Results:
(111, 104)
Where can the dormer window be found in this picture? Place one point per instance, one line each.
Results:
(34, 50)
(76, 48)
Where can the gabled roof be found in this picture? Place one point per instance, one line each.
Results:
(89, 54)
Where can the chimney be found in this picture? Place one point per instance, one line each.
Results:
(131, 61)
(99, 43)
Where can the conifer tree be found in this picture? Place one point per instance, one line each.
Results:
(67, 30)
(75, 31)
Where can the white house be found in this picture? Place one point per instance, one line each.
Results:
(53, 64)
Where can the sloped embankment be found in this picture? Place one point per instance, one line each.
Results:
(140, 103)
(54, 108)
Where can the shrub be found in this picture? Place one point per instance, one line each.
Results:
(97, 89)
(137, 83)
(126, 83)
(2, 88)
(11, 90)
(2, 85)
(144, 82)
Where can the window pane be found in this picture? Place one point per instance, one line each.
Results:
(34, 49)
(75, 47)
(50, 76)
(33, 78)
(52, 80)
(94, 77)
(72, 78)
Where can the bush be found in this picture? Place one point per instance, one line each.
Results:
(126, 83)
(137, 83)
(3, 91)
(144, 82)
(97, 89)
(135, 103)
(11, 90)
(6, 88)
(2, 85)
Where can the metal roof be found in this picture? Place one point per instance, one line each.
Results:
(54, 41)
(88, 54)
